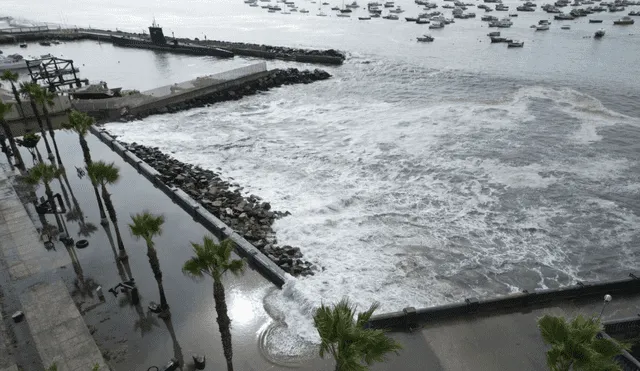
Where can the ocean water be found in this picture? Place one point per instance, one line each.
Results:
(419, 174)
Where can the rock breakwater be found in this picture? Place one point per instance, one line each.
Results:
(275, 78)
(249, 216)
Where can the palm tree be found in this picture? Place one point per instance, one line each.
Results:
(43, 173)
(4, 109)
(46, 99)
(30, 142)
(80, 123)
(576, 346)
(214, 261)
(32, 91)
(102, 173)
(345, 337)
(146, 226)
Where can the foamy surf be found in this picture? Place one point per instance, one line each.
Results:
(415, 202)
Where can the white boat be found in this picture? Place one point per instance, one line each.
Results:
(392, 17)
(353, 5)
(398, 10)
(389, 4)
(515, 44)
(434, 25)
(422, 21)
(12, 62)
(542, 27)
(599, 33)
(304, 11)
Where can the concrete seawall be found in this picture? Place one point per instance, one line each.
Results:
(470, 307)
(264, 265)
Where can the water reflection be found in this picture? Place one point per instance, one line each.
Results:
(177, 350)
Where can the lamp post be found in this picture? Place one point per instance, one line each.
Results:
(607, 300)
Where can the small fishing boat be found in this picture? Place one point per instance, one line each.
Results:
(595, 21)
(411, 19)
(425, 39)
(364, 18)
(599, 33)
(23, 45)
(344, 15)
(304, 11)
(515, 44)
(565, 27)
(391, 17)
(422, 21)
(494, 34)
(45, 43)
(436, 25)
(321, 14)
(542, 27)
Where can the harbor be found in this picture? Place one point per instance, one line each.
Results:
(468, 185)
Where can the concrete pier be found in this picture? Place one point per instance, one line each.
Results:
(332, 57)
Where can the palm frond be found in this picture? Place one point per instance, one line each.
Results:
(4, 108)
(146, 225)
(79, 122)
(553, 329)
(103, 173)
(344, 336)
(7, 75)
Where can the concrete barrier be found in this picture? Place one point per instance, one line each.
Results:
(217, 227)
(520, 301)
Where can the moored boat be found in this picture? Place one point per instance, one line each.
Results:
(599, 33)
(515, 44)
(425, 39)
(595, 21)
(624, 21)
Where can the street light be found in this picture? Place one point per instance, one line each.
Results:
(607, 300)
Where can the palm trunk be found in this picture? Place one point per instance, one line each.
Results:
(114, 220)
(224, 323)
(76, 205)
(157, 273)
(87, 160)
(12, 143)
(51, 132)
(34, 107)
(53, 205)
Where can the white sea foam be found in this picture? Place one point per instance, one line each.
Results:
(409, 204)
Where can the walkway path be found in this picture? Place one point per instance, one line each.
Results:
(55, 324)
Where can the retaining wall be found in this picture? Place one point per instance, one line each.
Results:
(411, 317)
(217, 227)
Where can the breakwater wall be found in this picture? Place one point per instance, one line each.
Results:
(231, 90)
(329, 57)
(411, 317)
(220, 208)
(138, 106)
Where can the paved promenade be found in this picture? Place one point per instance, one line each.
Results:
(54, 323)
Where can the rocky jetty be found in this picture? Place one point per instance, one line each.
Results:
(329, 56)
(249, 216)
(275, 78)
